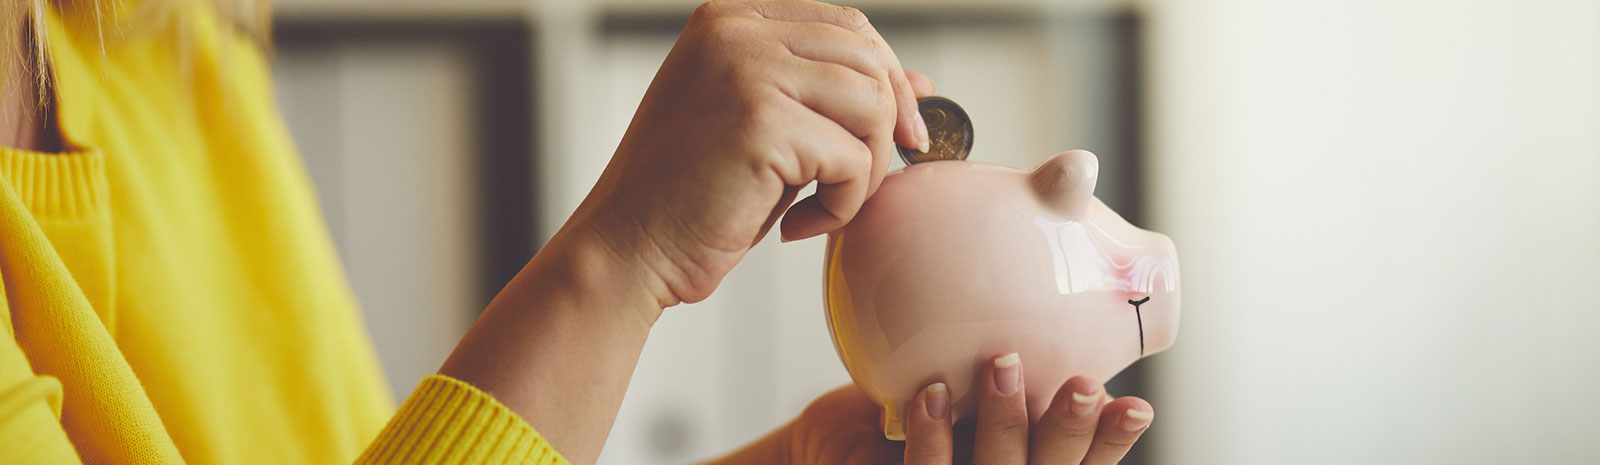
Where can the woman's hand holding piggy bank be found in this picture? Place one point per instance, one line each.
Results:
(953, 265)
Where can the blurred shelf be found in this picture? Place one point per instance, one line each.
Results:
(1002, 7)
(401, 9)
(665, 9)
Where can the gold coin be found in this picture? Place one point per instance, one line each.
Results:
(949, 132)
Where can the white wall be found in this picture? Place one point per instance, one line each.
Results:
(1389, 218)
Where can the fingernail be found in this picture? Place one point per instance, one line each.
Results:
(1137, 419)
(922, 133)
(1084, 404)
(1008, 373)
(936, 399)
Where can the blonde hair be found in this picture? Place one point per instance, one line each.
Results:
(26, 48)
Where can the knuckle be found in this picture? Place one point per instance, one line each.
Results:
(1062, 422)
(726, 29)
(758, 113)
(836, 74)
(762, 117)
(879, 47)
(853, 17)
(1066, 430)
(863, 88)
(741, 73)
(747, 79)
(1119, 441)
(883, 94)
(1006, 423)
(927, 455)
(856, 41)
(882, 102)
(862, 162)
(870, 91)
(1010, 428)
(710, 9)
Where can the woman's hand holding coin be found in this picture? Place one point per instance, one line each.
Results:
(755, 101)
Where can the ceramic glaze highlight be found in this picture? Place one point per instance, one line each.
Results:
(952, 263)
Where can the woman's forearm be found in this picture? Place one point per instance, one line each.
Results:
(559, 343)
(769, 450)
(719, 146)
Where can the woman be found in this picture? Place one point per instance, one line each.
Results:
(172, 295)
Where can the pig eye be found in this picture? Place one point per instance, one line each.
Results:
(1140, 319)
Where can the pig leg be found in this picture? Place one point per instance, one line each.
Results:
(894, 422)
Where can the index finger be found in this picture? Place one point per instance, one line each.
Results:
(921, 85)
(928, 439)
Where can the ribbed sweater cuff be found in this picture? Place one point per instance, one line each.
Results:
(57, 185)
(449, 421)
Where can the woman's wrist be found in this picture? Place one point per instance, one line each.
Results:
(587, 264)
(559, 343)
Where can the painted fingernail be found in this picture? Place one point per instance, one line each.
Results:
(922, 134)
(1008, 373)
(936, 399)
(1083, 404)
(1136, 419)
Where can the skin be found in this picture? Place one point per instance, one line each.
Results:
(25, 118)
(755, 101)
(841, 427)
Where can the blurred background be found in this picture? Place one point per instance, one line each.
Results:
(1388, 212)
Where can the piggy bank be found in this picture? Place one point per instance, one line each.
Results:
(953, 263)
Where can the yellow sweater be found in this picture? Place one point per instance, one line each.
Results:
(171, 294)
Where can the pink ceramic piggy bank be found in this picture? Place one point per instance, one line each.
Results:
(952, 263)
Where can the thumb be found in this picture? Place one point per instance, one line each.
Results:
(921, 85)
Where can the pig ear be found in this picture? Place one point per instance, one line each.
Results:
(1066, 182)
